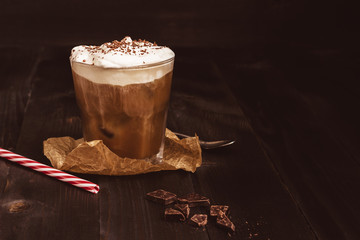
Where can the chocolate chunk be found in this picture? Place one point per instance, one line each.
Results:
(173, 215)
(194, 200)
(224, 222)
(215, 209)
(161, 196)
(198, 220)
(184, 208)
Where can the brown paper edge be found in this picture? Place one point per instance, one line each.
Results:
(69, 155)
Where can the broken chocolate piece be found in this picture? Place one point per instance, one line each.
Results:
(224, 222)
(173, 215)
(215, 209)
(161, 196)
(184, 208)
(194, 200)
(198, 220)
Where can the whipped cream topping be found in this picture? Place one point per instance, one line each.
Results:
(114, 61)
(124, 53)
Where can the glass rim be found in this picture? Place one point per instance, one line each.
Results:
(130, 67)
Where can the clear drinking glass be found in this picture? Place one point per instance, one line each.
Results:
(125, 107)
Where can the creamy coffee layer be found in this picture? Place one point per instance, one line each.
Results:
(129, 119)
(107, 58)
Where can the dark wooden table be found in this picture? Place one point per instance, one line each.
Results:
(293, 173)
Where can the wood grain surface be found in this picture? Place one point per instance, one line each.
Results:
(302, 104)
(279, 77)
(202, 103)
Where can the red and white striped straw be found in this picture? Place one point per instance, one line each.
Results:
(52, 172)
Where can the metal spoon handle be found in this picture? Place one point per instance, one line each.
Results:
(209, 144)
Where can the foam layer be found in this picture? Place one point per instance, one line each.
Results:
(106, 63)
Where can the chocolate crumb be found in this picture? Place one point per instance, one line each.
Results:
(215, 209)
(198, 220)
(224, 222)
(184, 208)
(161, 196)
(171, 214)
(194, 200)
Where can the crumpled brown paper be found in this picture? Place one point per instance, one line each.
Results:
(94, 157)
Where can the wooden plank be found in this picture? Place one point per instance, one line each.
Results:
(44, 207)
(301, 103)
(17, 67)
(200, 103)
(126, 214)
(239, 175)
(53, 112)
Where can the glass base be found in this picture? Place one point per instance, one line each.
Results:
(157, 158)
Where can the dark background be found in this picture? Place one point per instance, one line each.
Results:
(179, 23)
(292, 67)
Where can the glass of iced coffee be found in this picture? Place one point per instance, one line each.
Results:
(122, 89)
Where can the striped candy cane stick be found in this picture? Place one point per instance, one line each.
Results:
(52, 172)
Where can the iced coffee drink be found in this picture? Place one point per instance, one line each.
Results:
(122, 89)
